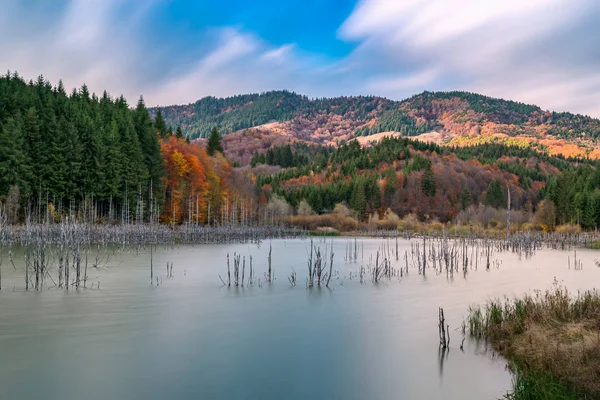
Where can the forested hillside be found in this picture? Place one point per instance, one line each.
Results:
(454, 118)
(96, 158)
(409, 177)
(68, 146)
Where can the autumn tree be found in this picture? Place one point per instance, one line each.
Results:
(304, 208)
(545, 215)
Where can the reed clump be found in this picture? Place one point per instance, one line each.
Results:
(551, 339)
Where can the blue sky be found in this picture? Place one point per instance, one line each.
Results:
(545, 52)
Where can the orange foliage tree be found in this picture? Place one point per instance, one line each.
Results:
(194, 187)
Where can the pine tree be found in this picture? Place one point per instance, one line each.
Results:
(390, 185)
(113, 163)
(428, 184)
(160, 125)
(494, 195)
(13, 161)
(214, 142)
(71, 146)
(179, 133)
(465, 199)
(287, 157)
(148, 140)
(358, 199)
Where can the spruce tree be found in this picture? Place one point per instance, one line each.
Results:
(13, 161)
(214, 142)
(287, 157)
(465, 199)
(270, 157)
(148, 140)
(428, 184)
(160, 125)
(358, 199)
(494, 195)
(71, 146)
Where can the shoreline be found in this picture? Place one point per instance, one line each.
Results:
(551, 341)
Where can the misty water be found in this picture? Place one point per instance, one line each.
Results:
(192, 338)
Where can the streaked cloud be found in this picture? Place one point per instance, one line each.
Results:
(545, 52)
(521, 50)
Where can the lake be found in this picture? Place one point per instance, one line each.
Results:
(190, 337)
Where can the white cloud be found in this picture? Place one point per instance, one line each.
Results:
(490, 46)
(537, 51)
(85, 42)
(418, 81)
(278, 55)
(101, 43)
(238, 63)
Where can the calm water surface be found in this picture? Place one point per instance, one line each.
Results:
(191, 338)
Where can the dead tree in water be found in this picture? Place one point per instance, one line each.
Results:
(270, 273)
(318, 267)
(292, 279)
(60, 267)
(310, 265)
(330, 267)
(424, 255)
(444, 330)
(228, 272)
(243, 270)
(508, 214)
(151, 267)
(250, 281)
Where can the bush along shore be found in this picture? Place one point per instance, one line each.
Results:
(551, 340)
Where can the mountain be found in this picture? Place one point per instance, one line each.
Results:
(452, 118)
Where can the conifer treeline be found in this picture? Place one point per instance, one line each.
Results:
(61, 149)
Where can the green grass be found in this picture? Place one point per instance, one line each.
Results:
(539, 386)
(323, 233)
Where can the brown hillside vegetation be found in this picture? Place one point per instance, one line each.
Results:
(450, 118)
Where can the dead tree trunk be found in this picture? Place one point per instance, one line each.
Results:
(508, 213)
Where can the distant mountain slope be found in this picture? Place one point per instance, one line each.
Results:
(455, 118)
(246, 111)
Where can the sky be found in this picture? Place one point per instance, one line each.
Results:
(544, 52)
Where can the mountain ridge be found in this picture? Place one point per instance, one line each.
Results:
(460, 117)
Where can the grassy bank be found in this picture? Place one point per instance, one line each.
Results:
(551, 340)
(348, 224)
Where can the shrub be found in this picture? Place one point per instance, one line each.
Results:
(568, 228)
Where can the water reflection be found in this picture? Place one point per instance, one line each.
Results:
(192, 337)
(442, 356)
